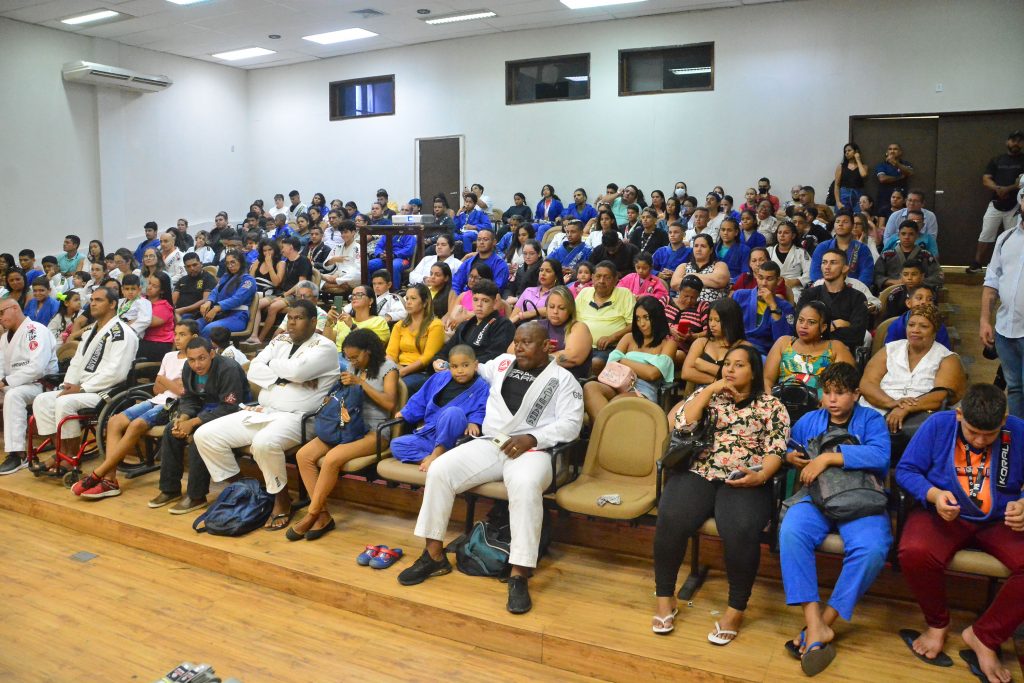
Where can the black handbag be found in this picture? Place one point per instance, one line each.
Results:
(686, 446)
(798, 399)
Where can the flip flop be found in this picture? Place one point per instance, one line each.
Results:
(667, 624)
(792, 648)
(817, 657)
(910, 635)
(286, 516)
(971, 657)
(716, 638)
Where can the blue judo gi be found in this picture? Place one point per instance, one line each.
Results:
(234, 305)
(442, 426)
(866, 540)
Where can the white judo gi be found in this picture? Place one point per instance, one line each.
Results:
(102, 361)
(551, 412)
(25, 358)
(290, 385)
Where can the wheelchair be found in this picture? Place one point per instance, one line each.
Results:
(67, 466)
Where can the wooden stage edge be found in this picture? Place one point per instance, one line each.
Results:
(591, 611)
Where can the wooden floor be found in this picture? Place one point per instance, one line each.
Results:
(261, 608)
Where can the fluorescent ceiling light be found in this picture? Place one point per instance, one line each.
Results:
(340, 36)
(462, 16)
(185, 2)
(235, 55)
(577, 79)
(91, 17)
(692, 70)
(585, 4)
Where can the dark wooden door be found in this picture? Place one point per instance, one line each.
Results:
(440, 170)
(916, 135)
(966, 142)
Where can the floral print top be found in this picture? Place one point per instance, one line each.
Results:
(743, 436)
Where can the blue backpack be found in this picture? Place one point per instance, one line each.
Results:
(240, 508)
(340, 419)
(485, 550)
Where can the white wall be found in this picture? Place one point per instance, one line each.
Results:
(100, 162)
(787, 78)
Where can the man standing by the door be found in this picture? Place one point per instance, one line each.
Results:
(1002, 177)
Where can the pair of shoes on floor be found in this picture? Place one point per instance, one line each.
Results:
(12, 463)
(379, 556)
(424, 568)
(94, 488)
(184, 505)
(311, 534)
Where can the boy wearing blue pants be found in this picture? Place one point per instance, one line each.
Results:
(866, 539)
(450, 404)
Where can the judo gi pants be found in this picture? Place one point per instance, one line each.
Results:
(398, 267)
(49, 408)
(866, 543)
(234, 321)
(172, 466)
(928, 545)
(16, 401)
(451, 423)
(479, 462)
(268, 434)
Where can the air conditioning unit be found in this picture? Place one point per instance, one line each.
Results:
(113, 76)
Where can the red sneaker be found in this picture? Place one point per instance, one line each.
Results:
(104, 489)
(83, 485)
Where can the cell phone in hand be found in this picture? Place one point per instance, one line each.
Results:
(794, 446)
(339, 303)
(739, 474)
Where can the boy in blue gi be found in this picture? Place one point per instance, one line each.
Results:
(866, 540)
(450, 404)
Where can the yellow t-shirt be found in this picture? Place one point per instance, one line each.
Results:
(402, 346)
(374, 323)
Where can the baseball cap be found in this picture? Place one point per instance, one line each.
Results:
(416, 201)
(1018, 134)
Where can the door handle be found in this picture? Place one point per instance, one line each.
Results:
(938, 192)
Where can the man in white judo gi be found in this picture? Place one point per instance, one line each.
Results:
(294, 373)
(27, 354)
(533, 405)
(101, 362)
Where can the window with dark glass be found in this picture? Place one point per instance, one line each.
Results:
(667, 69)
(363, 97)
(547, 79)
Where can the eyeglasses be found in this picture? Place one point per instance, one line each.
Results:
(359, 295)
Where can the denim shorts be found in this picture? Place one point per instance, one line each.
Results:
(148, 411)
(647, 389)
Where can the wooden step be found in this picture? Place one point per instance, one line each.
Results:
(591, 611)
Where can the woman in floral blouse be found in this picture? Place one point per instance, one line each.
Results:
(728, 482)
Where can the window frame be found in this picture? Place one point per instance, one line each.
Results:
(512, 64)
(624, 69)
(365, 80)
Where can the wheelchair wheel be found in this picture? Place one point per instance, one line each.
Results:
(71, 478)
(118, 403)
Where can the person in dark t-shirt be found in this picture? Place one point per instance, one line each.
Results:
(193, 288)
(1002, 177)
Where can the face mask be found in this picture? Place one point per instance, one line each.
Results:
(680, 192)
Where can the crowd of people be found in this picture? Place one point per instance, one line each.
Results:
(512, 331)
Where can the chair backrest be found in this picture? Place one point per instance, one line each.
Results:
(317, 277)
(250, 326)
(548, 237)
(790, 296)
(883, 297)
(879, 339)
(403, 398)
(628, 438)
(212, 270)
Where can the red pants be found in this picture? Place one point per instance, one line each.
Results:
(927, 547)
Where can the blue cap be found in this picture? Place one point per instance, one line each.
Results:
(416, 201)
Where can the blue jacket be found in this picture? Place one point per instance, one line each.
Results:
(554, 211)
(152, 244)
(664, 258)
(862, 266)
(422, 408)
(928, 462)
(43, 313)
(736, 258)
(763, 335)
(571, 212)
(754, 241)
(31, 275)
(240, 296)
(926, 242)
(498, 266)
(404, 247)
(898, 330)
(475, 219)
(568, 258)
(866, 424)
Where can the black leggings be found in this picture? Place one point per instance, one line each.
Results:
(689, 500)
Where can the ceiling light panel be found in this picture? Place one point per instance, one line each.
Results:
(91, 17)
(185, 2)
(586, 4)
(461, 16)
(246, 53)
(341, 36)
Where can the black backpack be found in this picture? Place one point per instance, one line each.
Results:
(240, 508)
(485, 550)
